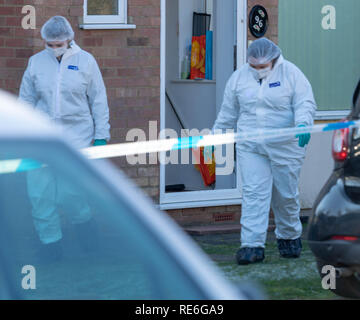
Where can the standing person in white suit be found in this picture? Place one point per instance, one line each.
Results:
(268, 92)
(64, 82)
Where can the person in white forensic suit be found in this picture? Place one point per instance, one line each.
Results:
(64, 82)
(268, 92)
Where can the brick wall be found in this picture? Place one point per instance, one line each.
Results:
(129, 61)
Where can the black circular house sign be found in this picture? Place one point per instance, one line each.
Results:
(258, 21)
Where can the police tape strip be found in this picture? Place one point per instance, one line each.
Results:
(19, 165)
(163, 145)
(133, 148)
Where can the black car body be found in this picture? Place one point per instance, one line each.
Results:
(334, 228)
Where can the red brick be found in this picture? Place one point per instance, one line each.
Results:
(142, 182)
(56, 11)
(142, 11)
(144, 3)
(119, 162)
(26, 33)
(129, 72)
(137, 41)
(154, 181)
(118, 122)
(108, 72)
(16, 43)
(127, 52)
(7, 32)
(24, 53)
(152, 192)
(126, 92)
(233, 208)
(148, 92)
(92, 42)
(16, 63)
(113, 83)
(11, 83)
(193, 211)
(7, 11)
(149, 52)
(6, 52)
(149, 171)
(76, 11)
(77, 2)
(16, 2)
(118, 132)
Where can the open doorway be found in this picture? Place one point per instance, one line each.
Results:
(190, 106)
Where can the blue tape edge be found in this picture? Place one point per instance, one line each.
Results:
(337, 126)
(186, 143)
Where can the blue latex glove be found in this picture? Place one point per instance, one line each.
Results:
(101, 142)
(208, 150)
(304, 138)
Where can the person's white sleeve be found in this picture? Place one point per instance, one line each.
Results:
(27, 91)
(303, 100)
(229, 111)
(97, 98)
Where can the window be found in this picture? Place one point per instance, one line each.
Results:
(319, 37)
(105, 11)
(103, 251)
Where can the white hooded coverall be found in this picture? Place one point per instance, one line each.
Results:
(72, 93)
(270, 169)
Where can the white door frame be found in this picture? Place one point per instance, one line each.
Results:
(206, 198)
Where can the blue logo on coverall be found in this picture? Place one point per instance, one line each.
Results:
(275, 84)
(73, 68)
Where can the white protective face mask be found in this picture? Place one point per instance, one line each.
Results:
(58, 51)
(261, 73)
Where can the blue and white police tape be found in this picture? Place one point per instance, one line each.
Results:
(19, 165)
(163, 145)
(133, 148)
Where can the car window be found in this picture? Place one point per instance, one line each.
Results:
(62, 228)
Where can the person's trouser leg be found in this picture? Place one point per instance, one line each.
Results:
(285, 200)
(73, 201)
(256, 196)
(42, 191)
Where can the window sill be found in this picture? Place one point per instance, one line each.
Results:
(197, 81)
(331, 115)
(199, 204)
(107, 26)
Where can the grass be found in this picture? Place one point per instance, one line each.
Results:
(279, 278)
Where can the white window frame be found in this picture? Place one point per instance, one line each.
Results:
(120, 18)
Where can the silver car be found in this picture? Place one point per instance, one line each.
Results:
(127, 249)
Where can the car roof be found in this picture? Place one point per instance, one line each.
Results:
(18, 120)
(28, 121)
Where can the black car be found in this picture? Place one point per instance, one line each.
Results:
(334, 228)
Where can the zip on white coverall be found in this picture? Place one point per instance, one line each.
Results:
(270, 169)
(72, 94)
